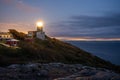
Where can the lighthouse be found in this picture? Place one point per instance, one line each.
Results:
(40, 33)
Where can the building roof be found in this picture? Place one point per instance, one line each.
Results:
(5, 33)
(12, 40)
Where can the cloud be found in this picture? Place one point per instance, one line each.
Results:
(7, 1)
(18, 26)
(26, 8)
(99, 21)
(20, 5)
(106, 26)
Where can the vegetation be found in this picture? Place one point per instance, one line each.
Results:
(17, 35)
(50, 50)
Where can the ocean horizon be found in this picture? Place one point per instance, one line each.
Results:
(107, 50)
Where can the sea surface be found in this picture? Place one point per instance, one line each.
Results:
(107, 50)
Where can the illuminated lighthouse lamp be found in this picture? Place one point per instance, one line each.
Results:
(39, 24)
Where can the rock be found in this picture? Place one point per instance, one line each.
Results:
(56, 64)
(43, 73)
(83, 78)
(87, 72)
(103, 75)
(14, 66)
(64, 79)
(31, 68)
(59, 71)
(116, 77)
(3, 70)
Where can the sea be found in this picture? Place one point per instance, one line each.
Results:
(107, 50)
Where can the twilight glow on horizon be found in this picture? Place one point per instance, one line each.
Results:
(81, 20)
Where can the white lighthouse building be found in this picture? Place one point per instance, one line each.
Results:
(40, 33)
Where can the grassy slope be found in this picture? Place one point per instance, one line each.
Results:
(50, 50)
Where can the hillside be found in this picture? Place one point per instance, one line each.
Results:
(50, 50)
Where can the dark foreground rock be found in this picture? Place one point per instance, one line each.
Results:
(55, 71)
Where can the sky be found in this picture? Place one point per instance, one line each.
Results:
(64, 19)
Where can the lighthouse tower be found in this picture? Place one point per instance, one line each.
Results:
(40, 33)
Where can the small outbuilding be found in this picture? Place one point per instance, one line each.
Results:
(12, 42)
(6, 35)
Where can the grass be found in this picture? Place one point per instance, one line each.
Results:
(50, 50)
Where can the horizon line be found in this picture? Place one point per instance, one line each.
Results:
(86, 39)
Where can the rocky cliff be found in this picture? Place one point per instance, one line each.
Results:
(55, 71)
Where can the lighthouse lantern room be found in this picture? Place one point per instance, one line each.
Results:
(40, 33)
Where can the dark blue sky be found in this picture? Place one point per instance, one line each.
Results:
(64, 18)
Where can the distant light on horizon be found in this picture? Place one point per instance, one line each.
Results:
(86, 39)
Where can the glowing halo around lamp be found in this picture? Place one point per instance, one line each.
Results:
(39, 24)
